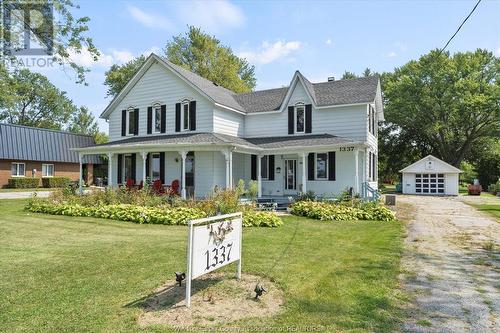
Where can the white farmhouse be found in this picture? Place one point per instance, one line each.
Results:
(171, 124)
(430, 176)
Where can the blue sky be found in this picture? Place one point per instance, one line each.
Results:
(319, 38)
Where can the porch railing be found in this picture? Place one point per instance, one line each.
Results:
(369, 193)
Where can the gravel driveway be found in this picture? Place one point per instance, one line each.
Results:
(449, 269)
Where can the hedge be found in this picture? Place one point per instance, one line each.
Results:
(55, 182)
(338, 212)
(142, 214)
(23, 182)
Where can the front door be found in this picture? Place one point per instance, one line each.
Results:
(290, 176)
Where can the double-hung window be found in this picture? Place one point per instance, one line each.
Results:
(300, 118)
(264, 165)
(157, 118)
(155, 166)
(185, 115)
(130, 122)
(18, 169)
(321, 167)
(47, 170)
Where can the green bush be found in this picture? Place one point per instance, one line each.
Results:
(339, 212)
(23, 182)
(261, 219)
(52, 182)
(494, 188)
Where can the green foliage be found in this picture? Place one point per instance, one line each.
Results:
(468, 173)
(348, 75)
(240, 188)
(83, 122)
(23, 182)
(252, 218)
(253, 189)
(494, 188)
(308, 196)
(51, 182)
(118, 75)
(341, 212)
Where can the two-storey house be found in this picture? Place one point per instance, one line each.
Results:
(171, 124)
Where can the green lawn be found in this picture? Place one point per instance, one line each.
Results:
(493, 210)
(78, 274)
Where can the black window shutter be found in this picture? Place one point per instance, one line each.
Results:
(331, 165)
(178, 117)
(192, 116)
(163, 123)
(254, 167)
(150, 119)
(147, 165)
(136, 111)
(270, 172)
(124, 122)
(133, 167)
(119, 177)
(290, 119)
(310, 166)
(309, 118)
(162, 167)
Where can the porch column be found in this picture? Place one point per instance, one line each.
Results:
(144, 157)
(304, 178)
(110, 170)
(259, 176)
(230, 169)
(356, 171)
(183, 174)
(80, 180)
(228, 156)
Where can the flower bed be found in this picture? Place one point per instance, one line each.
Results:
(340, 212)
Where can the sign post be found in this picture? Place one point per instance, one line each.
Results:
(213, 242)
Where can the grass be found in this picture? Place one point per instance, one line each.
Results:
(388, 189)
(493, 210)
(78, 274)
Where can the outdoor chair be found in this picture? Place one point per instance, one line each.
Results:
(158, 187)
(174, 188)
(130, 183)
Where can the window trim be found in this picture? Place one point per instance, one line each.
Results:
(53, 170)
(316, 167)
(127, 128)
(156, 106)
(303, 106)
(17, 169)
(187, 103)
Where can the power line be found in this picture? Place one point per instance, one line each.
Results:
(456, 32)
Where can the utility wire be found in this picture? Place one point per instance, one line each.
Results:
(463, 22)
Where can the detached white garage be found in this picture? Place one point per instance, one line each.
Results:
(430, 176)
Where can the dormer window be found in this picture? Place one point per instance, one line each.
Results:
(185, 115)
(157, 118)
(300, 118)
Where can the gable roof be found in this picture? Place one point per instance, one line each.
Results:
(446, 167)
(39, 144)
(331, 93)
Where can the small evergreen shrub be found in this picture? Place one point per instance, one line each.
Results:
(22, 182)
(53, 182)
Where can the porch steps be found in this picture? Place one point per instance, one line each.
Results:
(273, 203)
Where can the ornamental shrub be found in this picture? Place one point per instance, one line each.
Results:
(22, 182)
(326, 211)
(51, 182)
(253, 218)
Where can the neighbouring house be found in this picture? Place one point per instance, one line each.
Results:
(430, 176)
(37, 152)
(171, 124)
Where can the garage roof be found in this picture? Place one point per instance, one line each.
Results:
(430, 164)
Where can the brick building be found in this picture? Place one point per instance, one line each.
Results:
(37, 152)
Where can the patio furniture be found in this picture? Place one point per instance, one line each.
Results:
(174, 188)
(158, 187)
(130, 183)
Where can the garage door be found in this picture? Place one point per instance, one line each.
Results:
(429, 183)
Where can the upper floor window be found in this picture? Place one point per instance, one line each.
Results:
(47, 170)
(185, 115)
(300, 119)
(131, 122)
(371, 119)
(157, 118)
(18, 169)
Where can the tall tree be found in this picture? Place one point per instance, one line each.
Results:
(83, 122)
(348, 75)
(69, 33)
(198, 52)
(443, 105)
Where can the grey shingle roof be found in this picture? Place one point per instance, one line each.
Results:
(37, 144)
(264, 100)
(223, 139)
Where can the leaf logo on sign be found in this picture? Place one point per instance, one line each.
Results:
(219, 235)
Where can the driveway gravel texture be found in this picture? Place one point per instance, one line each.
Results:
(451, 266)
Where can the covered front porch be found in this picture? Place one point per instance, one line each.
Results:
(202, 162)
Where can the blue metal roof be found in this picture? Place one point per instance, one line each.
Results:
(40, 144)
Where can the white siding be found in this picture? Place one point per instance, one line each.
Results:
(160, 85)
(408, 183)
(229, 122)
(451, 183)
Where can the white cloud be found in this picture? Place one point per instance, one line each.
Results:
(149, 20)
(268, 52)
(392, 54)
(84, 58)
(155, 49)
(328, 41)
(122, 55)
(213, 16)
(497, 52)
